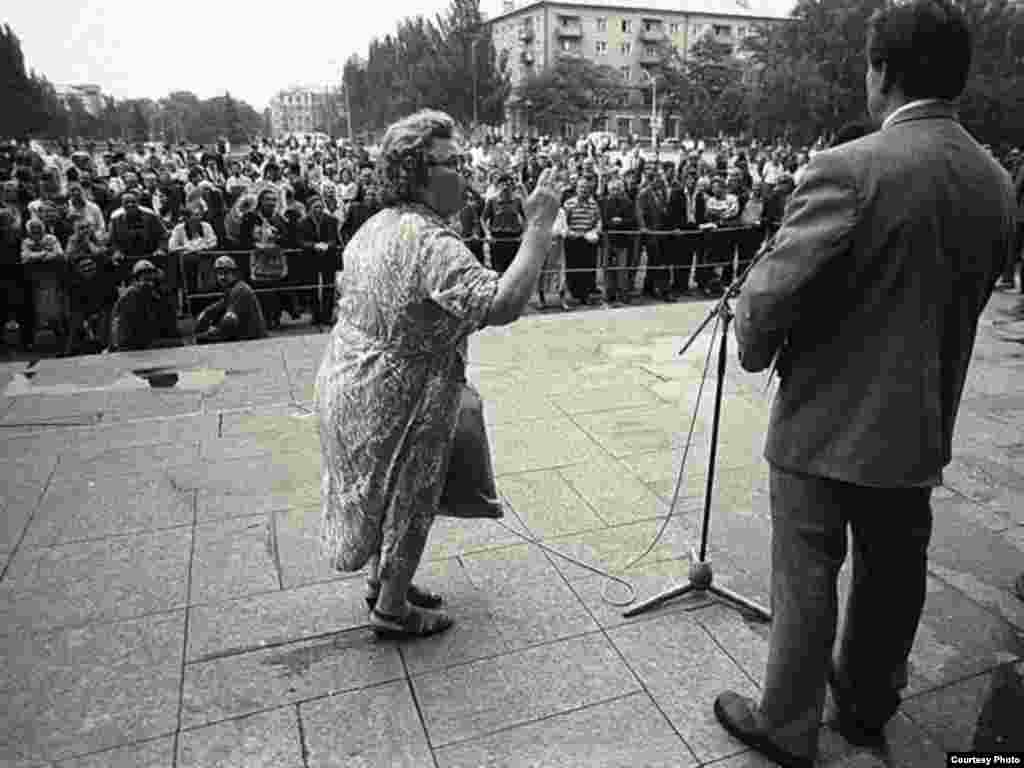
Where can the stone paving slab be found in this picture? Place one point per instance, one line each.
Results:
(625, 731)
(371, 727)
(158, 753)
(78, 507)
(95, 688)
(275, 617)
(230, 686)
(164, 557)
(683, 669)
(105, 579)
(266, 740)
(232, 558)
(471, 700)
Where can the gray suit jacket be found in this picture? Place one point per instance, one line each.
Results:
(889, 251)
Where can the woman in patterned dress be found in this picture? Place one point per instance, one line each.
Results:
(389, 383)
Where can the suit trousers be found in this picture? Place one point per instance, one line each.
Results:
(890, 528)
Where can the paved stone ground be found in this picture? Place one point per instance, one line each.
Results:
(162, 602)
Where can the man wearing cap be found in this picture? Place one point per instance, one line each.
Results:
(236, 316)
(142, 314)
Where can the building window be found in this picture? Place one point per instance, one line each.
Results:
(623, 125)
(673, 28)
(601, 47)
(695, 30)
(627, 26)
(602, 24)
(627, 49)
(723, 30)
(651, 51)
(652, 26)
(570, 46)
(626, 72)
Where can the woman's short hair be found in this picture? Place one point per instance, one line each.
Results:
(925, 46)
(403, 153)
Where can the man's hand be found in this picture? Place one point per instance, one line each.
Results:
(321, 247)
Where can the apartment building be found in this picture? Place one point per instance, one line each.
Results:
(305, 109)
(626, 35)
(90, 96)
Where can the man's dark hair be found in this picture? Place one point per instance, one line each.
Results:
(925, 47)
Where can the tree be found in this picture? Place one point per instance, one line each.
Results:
(139, 124)
(447, 63)
(475, 77)
(569, 90)
(233, 128)
(810, 72)
(714, 99)
(673, 84)
(28, 103)
(992, 106)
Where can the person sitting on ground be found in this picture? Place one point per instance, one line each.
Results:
(235, 317)
(142, 314)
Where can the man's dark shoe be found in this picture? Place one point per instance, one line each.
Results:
(1020, 586)
(850, 727)
(736, 714)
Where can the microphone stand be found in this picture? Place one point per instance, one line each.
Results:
(701, 576)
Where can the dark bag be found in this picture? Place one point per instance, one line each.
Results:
(469, 489)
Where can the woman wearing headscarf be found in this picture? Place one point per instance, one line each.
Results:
(390, 381)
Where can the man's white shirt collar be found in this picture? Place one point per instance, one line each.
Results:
(906, 108)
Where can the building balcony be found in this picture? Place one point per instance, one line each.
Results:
(652, 35)
(574, 30)
(648, 59)
(526, 35)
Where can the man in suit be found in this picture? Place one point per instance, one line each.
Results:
(889, 251)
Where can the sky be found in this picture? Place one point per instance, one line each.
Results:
(138, 49)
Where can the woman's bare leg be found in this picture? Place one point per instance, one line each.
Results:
(397, 571)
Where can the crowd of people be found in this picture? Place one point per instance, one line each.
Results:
(126, 236)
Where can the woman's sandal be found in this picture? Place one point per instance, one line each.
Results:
(421, 598)
(418, 622)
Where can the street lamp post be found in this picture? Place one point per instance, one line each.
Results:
(476, 77)
(654, 115)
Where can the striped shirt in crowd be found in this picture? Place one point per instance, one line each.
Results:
(582, 215)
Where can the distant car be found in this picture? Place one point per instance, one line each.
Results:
(670, 143)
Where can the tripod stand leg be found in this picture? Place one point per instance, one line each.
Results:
(741, 601)
(664, 597)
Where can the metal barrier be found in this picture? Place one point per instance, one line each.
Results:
(55, 275)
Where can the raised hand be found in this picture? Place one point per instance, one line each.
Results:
(541, 207)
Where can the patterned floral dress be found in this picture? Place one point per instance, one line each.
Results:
(389, 384)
